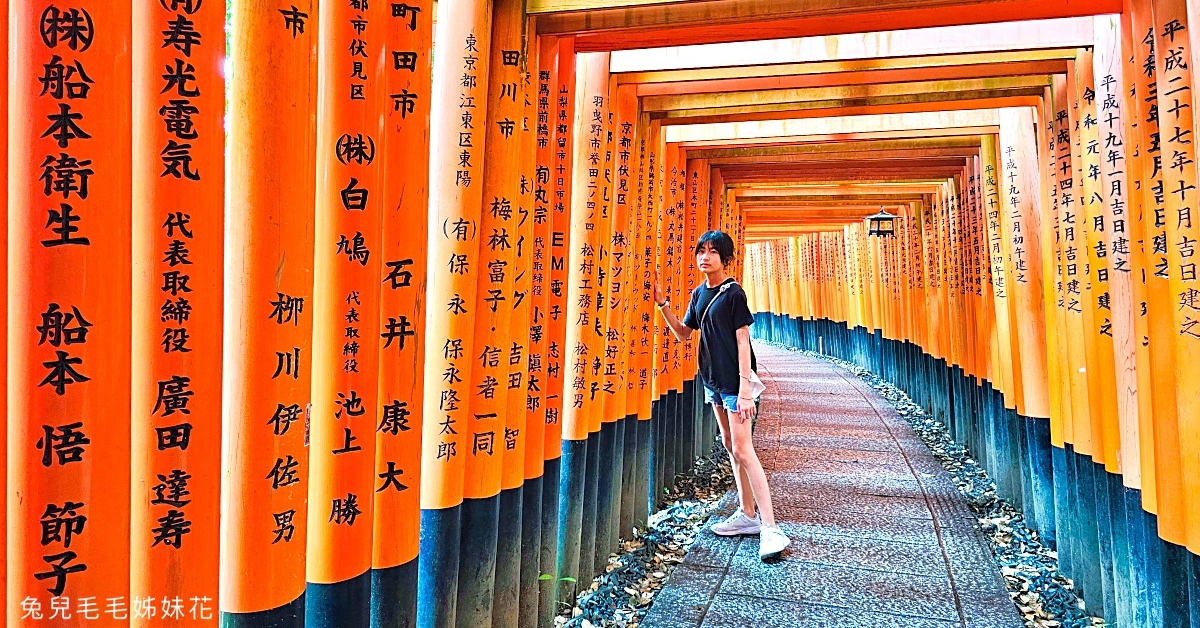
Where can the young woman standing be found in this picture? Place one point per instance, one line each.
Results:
(718, 309)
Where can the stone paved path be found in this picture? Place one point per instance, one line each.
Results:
(880, 534)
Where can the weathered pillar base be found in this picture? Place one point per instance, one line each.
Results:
(394, 596)
(437, 572)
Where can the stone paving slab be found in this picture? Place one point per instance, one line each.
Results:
(880, 535)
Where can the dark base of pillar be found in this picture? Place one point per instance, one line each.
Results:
(508, 560)
(477, 562)
(591, 490)
(394, 596)
(644, 489)
(548, 554)
(629, 467)
(290, 615)
(531, 545)
(604, 497)
(655, 460)
(345, 604)
(437, 567)
(571, 487)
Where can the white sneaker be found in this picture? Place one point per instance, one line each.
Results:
(737, 524)
(771, 542)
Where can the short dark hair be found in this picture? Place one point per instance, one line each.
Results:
(720, 241)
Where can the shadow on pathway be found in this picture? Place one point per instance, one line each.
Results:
(880, 534)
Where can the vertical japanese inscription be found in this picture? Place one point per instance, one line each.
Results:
(457, 140)
(268, 341)
(69, 215)
(404, 198)
(488, 386)
(582, 350)
(178, 258)
(347, 331)
(537, 381)
(1174, 68)
(559, 244)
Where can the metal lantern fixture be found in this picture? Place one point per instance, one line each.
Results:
(882, 224)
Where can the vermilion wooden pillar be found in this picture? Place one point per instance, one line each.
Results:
(4, 290)
(641, 372)
(1071, 269)
(1161, 330)
(69, 310)
(544, 465)
(1108, 60)
(1176, 130)
(457, 149)
(404, 194)
(562, 88)
(600, 424)
(623, 285)
(579, 349)
(346, 326)
(268, 340)
(485, 444)
(1136, 177)
(520, 534)
(178, 239)
(1101, 379)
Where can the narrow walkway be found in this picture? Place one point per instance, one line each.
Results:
(880, 534)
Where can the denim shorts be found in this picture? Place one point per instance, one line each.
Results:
(729, 401)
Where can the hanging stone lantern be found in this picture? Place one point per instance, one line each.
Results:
(882, 224)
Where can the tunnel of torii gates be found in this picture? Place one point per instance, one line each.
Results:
(308, 329)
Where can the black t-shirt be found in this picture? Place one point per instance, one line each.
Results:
(718, 338)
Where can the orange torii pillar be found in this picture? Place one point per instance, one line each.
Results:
(456, 157)
(485, 434)
(4, 302)
(699, 199)
(651, 255)
(1021, 226)
(69, 308)
(517, 569)
(1109, 58)
(1176, 88)
(999, 176)
(661, 391)
(268, 359)
(1101, 363)
(682, 293)
(404, 197)
(1176, 119)
(600, 422)
(1161, 496)
(539, 149)
(562, 110)
(670, 224)
(1070, 268)
(1082, 537)
(641, 362)
(346, 332)
(1056, 304)
(178, 249)
(1170, 499)
(1129, 77)
(544, 364)
(576, 512)
(622, 288)
(688, 207)
(572, 478)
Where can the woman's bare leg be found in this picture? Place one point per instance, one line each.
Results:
(747, 463)
(740, 479)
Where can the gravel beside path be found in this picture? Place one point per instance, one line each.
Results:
(880, 534)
